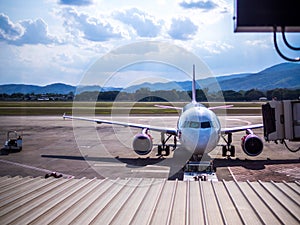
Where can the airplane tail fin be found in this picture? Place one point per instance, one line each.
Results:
(194, 86)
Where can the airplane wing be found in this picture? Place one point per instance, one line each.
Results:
(171, 131)
(241, 128)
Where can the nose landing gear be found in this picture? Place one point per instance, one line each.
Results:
(228, 150)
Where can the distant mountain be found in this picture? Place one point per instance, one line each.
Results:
(18, 88)
(186, 85)
(285, 75)
(57, 88)
(91, 88)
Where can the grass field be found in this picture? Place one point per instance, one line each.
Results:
(106, 108)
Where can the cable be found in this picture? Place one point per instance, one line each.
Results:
(292, 150)
(286, 42)
(278, 50)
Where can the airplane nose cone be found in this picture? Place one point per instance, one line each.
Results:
(203, 141)
(197, 142)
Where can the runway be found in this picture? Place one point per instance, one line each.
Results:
(85, 149)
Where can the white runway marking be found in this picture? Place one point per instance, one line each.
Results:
(152, 169)
(243, 121)
(231, 173)
(149, 171)
(110, 164)
(32, 167)
(146, 170)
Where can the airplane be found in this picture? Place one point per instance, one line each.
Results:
(198, 131)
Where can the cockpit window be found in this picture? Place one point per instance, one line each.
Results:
(194, 124)
(205, 124)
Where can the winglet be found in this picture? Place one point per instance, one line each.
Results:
(194, 86)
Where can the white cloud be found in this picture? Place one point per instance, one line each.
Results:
(182, 29)
(205, 5)
(88, 27)
(41, 64)
(9, 30)
(76, 2)
(258, 43)
(35, 32)
(220, 6)
(215, 47)
(143, 23)
(32, 49)
(25, 32)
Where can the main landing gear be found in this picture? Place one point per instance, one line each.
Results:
(228, 150)
(164, 147)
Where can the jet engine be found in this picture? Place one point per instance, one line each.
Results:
(252, 144)
(142, 143)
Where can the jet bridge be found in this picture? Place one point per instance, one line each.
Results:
(282, 121)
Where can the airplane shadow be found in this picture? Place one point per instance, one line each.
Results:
(176, 163)
(141, 162)
(252, 164)
(131, 162)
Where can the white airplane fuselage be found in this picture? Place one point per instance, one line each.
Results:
(199, 129)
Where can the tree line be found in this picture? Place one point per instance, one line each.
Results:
(36, 97)
(146, 95)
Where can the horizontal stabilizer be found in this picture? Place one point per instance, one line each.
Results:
(220, 107)
(168, 107)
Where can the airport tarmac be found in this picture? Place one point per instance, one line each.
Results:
(85, 149)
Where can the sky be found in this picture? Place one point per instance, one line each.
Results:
(53, 41)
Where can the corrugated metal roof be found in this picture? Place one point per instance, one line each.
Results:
(146, 201)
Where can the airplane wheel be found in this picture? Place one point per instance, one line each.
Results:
(4, 151)
(167, 150)
(159, 149)
(224, 150)
(232, 151)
